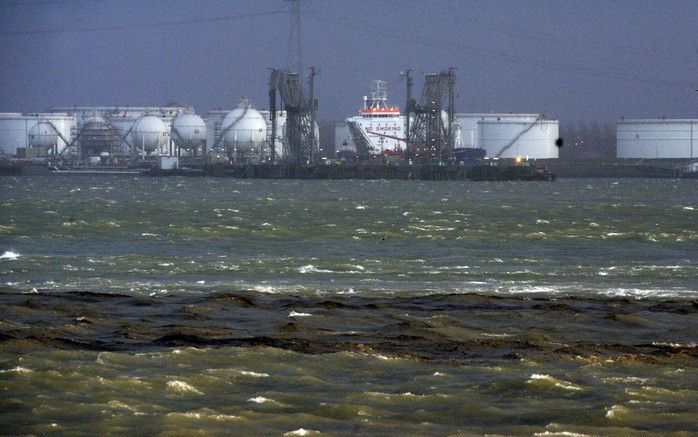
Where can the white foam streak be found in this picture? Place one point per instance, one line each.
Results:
(18, 369)
(556, 382)
(9, 255)
(302, 431)
(182, 387)
(263, 400)
(297, 314)
(254, 374)
(312, 269)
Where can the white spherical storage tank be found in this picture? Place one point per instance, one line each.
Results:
(148, 133)
(188, 131)
(245, 128)
(43, 134)
(657, 138)
(34, 130)
(509, 138)
(61, 124)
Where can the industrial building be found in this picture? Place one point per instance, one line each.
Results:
(657, 138)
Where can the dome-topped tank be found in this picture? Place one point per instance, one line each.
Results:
(188, 131)
(98, 135)
(244, 127)
(43, 135)
(148, 133)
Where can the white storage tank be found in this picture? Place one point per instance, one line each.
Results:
(657, 138)
(14, 130)
(511, 137)
(98, 135)
(280, 139)
(62, 125)
(148, 133)
(214, 121)
(343, 141)
(43, 135)
(468, 123)
(245, 128)
(188, 131)
(34, 130)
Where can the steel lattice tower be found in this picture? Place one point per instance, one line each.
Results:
(430, 136)
(295, 50)
(300, 147)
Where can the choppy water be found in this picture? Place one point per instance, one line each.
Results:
(175, 305)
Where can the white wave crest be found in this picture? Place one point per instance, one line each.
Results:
(297, 314)
(302, 431)
(312, 269)
(263, 400)
(556, 382)
(18, 369)
(254, 374)
(9, 255)
(182, 387)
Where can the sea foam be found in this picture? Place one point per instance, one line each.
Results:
(182, 387)
(9, 255)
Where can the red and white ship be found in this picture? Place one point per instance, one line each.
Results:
(377, 131)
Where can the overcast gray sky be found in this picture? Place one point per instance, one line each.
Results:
(574, 60)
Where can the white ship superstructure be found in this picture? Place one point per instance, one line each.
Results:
(378, 129)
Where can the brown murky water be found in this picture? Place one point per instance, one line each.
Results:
(212, 306)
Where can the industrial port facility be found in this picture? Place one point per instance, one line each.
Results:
(427, 131)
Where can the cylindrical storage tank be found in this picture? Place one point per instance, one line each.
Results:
(457, 136)
(657, 138)
(244, 128)
(509, 138)
(343, 141)
(188, 131)
(14, 132)
(468, 129)
(123, 125)
(43, 135)
(214, 121)
(469, 132)
(148, 133)
(280, 139)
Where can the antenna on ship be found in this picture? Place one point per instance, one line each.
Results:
(379, 94)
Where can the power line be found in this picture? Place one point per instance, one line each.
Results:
(610, 46)
(141, 26)
(501, 56)
(43, 2)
